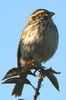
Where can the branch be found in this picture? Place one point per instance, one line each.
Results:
(40, 79)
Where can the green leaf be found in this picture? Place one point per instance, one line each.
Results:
(16, 80)
(53, 79)
(11, 80)
(12, 72)
(16, 72)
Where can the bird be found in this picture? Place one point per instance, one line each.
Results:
(38, 42)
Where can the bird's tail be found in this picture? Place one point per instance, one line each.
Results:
(17, 91)
(18, 88)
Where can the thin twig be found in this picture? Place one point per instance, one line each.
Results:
(38, 87)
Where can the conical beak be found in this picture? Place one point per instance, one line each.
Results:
(51, 14)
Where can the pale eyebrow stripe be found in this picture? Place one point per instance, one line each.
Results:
(37, 13)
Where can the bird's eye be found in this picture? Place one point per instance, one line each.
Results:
(41, 14)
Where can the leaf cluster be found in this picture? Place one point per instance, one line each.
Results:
(12, 76)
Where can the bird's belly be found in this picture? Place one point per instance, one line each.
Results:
(41, 47)
(45, 48)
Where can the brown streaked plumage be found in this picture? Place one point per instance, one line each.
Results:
(39, 41)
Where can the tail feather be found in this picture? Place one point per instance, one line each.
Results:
(17, 91)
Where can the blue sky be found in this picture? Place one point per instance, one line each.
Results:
(13, 18)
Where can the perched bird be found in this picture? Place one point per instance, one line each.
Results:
(38, 42)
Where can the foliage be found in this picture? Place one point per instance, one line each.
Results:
(12, 76)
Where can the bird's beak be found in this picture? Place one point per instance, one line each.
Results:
(51, 14)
